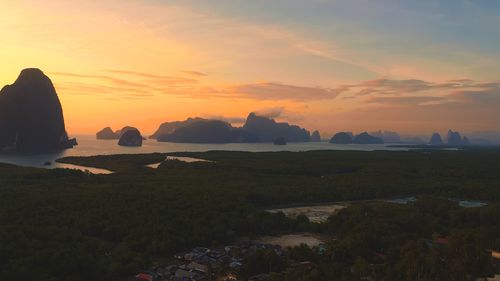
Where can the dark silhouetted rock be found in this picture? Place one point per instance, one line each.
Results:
(208, 131)
(465, 141)
(71, 142)
(342, 138)
(31, 116)
(256, 129)
(267, 130)
(107, 134)
(387, 136)
(365, 138)
(124, 130)
(315, 136)
(436, 139)
(131, 137)
(169, 127)
(239, 135)
(213, 131)
(280, 141)
(454, 138)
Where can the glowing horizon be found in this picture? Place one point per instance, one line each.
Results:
(325, 65)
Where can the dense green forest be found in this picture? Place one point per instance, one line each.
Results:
(71, 225)
(432, 239)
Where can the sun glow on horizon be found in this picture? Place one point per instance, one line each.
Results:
(141, 63)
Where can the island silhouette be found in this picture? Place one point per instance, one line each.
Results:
(32, 121)
(31, 116)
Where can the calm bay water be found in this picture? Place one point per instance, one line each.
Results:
(88, 146)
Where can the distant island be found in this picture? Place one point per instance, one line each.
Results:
(342, 138)
(315, 136)
(436, 139)
(348, 138)
(131, 137)
(268, 130)
(453, 139)
(255, 130)
(31, 116)
(387, 136)
(280, 141)
(108, 133)
(170, 127)
(208, 131)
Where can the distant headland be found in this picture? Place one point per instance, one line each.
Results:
(257, 129)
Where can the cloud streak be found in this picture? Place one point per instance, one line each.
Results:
(408, 100)
(129, 83)
(278, 91)
(195, 73)
(383, 91)
(419, 92)
(122, 83)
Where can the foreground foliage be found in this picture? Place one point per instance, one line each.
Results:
(432, 239)
(70, 225)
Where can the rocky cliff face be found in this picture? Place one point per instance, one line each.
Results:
(31, 116)
(268, 130)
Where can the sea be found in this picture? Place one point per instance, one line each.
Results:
(88, 145)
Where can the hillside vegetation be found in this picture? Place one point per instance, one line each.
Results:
(70, 225)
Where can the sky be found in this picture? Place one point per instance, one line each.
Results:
(330, 65)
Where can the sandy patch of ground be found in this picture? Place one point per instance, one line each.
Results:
(291, 240)
(180, 158)
(317, 214)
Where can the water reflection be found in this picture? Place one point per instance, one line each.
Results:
(88, 146)
(180, 158)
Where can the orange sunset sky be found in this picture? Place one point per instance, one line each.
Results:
(355, 65)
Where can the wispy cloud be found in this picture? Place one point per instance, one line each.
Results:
(195, 73)
(108, 79)
(270, 112)
(383, 91)
(277, 91)
(121, 83)
(129, 83)
(162, 78)
(419, 92)
(411, 100)
(229, 119)
(279, 113)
